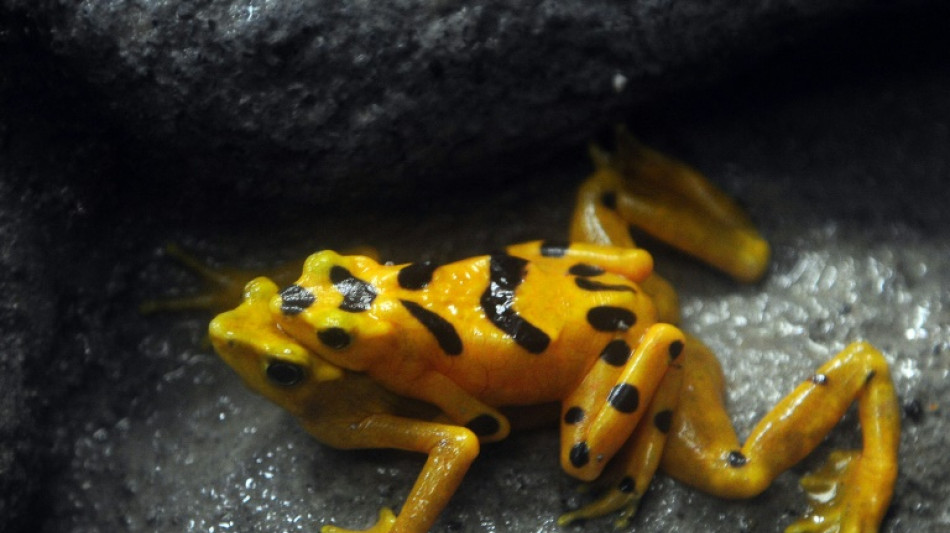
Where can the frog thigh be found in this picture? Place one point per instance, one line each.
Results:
(589, 259)
(586, 258)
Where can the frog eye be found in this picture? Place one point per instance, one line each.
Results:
(284, 374)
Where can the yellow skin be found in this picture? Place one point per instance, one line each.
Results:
(438, 359)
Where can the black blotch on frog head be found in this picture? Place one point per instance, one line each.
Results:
(295, 299)
(358, 295)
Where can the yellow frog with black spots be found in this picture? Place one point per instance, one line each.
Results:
(439, 359)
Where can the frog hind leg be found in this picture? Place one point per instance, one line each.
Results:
(619, 257)
(641, 187)
(702, 449)
(599, 417)
(450, 449)
(627, 477)
(589, 259)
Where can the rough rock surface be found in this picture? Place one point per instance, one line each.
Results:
(52, 162)
(323, 99)
(25, 315)
(112, 421)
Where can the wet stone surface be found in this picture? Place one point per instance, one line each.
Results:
(318, 98)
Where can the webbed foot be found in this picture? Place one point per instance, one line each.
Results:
(611, 502)
(638, 186)
(843, 497)
(387, 519)
(225, 286)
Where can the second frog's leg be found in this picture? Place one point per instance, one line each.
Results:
(641, 187)
(702, 449)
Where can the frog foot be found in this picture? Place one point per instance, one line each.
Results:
(611, 502)
(387, 519)
(225, 285)
(836, 496)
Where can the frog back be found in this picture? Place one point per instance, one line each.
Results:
(507, 329)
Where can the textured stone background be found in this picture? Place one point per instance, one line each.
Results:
(254, 131)
(339, 98)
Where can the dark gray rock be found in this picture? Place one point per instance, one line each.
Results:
(52, 168)
(320, 100)
(25, 319)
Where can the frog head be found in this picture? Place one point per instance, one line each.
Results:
(334, 312)
(269, 361)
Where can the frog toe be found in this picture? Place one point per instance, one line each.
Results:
(385, 523)
(839, 501)
(224, 286)
(612, 501)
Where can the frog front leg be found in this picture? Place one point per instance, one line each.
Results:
(703, 450)
(450, 449)
(641, 187)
